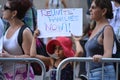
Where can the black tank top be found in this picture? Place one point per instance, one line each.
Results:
(68, 70)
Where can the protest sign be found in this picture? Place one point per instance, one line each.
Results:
(60, 22)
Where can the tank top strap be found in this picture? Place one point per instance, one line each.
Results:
(101, 31)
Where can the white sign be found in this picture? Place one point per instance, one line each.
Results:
(60, 22)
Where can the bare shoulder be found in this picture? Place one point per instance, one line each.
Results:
(27, 32)
(108, 28)
(27, 36)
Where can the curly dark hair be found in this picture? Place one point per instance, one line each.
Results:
(21, 6)
(105, 4)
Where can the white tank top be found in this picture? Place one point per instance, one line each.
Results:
(11, 45)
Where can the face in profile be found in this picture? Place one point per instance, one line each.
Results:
(95, 12)
(7, 11)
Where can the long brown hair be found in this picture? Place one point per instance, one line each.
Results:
(105, 4)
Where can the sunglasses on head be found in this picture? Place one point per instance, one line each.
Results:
(6, 8)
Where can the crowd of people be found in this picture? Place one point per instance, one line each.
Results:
(100, 40)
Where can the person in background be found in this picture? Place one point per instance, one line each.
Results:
(86, 34)
(6, 25)
(30, 18)
(1, 27)
(58, 49)
(1, 46)
(13, 12)
(54, 4)
(88, 12)
(115, 23)
(100, 42)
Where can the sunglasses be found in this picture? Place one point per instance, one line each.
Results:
(6, 8)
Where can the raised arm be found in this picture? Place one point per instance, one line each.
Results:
(33, 51)
(46, 4)
(64, 3)
(78, 47)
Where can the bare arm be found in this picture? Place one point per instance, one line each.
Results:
(78, 47)
(108, 42)
(26, 44)
(46, 4)
(33, 52)
(64, 3)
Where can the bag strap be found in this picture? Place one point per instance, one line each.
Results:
(117, 42)
(20, 36)
(34, 18)
(103, 30)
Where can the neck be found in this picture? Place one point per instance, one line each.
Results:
(16, 22)
(102, 22)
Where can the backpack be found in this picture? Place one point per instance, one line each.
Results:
(40, 47)
(30, 18)
(117, 55)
